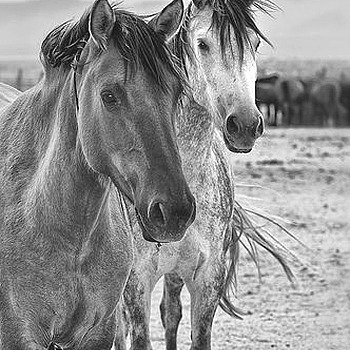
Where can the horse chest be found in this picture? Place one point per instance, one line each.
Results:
(65, 297)
(213, 186)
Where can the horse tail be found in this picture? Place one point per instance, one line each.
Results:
(231, 248)
(243, 227)
(255, 235)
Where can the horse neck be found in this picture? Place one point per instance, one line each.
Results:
(195, 129)
(64, 192)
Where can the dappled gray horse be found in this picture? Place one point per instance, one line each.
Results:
(96, 130)
(217, 46)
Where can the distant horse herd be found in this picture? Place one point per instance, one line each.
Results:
(310, 101)
(284, 100)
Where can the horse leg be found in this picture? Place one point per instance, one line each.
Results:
(269, 114)
(325, 116)
(341, 113)
(299, 114)
(291, 114)
(205, 290)
(296, 113)
(332, 121)
(273, 112)
(171, 308)
(285, 113)
(316, 115)
(137, 298)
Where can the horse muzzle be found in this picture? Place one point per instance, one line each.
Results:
(167, 221)
(240, 135)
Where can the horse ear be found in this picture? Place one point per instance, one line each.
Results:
(199, 3)
(169, 19)
(101, 23)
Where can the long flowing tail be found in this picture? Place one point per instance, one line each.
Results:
(244, 231)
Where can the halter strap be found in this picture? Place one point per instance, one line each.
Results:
(75, 89)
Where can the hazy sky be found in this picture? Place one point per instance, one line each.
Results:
(310, 29)
(303, 29)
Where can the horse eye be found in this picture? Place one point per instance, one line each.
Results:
(203, 46)
(109, 98)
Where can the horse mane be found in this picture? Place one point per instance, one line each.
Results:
(226, 13)
(139, 45)
(63, 43)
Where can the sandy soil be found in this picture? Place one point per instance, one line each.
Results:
(305, 178)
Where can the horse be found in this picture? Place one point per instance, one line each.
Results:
(216, 46)
(345, 96)
(286, 94)
(291, 96)
(325, 98)
(266, 95)
(95, 132)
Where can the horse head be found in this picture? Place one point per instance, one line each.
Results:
(127, 88)
(223, 39)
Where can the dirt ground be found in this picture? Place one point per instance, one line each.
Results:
(304, 176)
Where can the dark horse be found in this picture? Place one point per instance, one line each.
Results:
(266, 95)
(286, 94)
(98, 127)
(345, 97)
(325, 97)
(290, 93)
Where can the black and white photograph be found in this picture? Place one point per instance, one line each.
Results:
(174, 174)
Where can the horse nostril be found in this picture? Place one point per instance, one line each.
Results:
(156, 214)
(232, 125)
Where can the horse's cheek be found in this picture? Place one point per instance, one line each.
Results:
(91, 142)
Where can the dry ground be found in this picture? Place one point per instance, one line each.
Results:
(305, 174)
